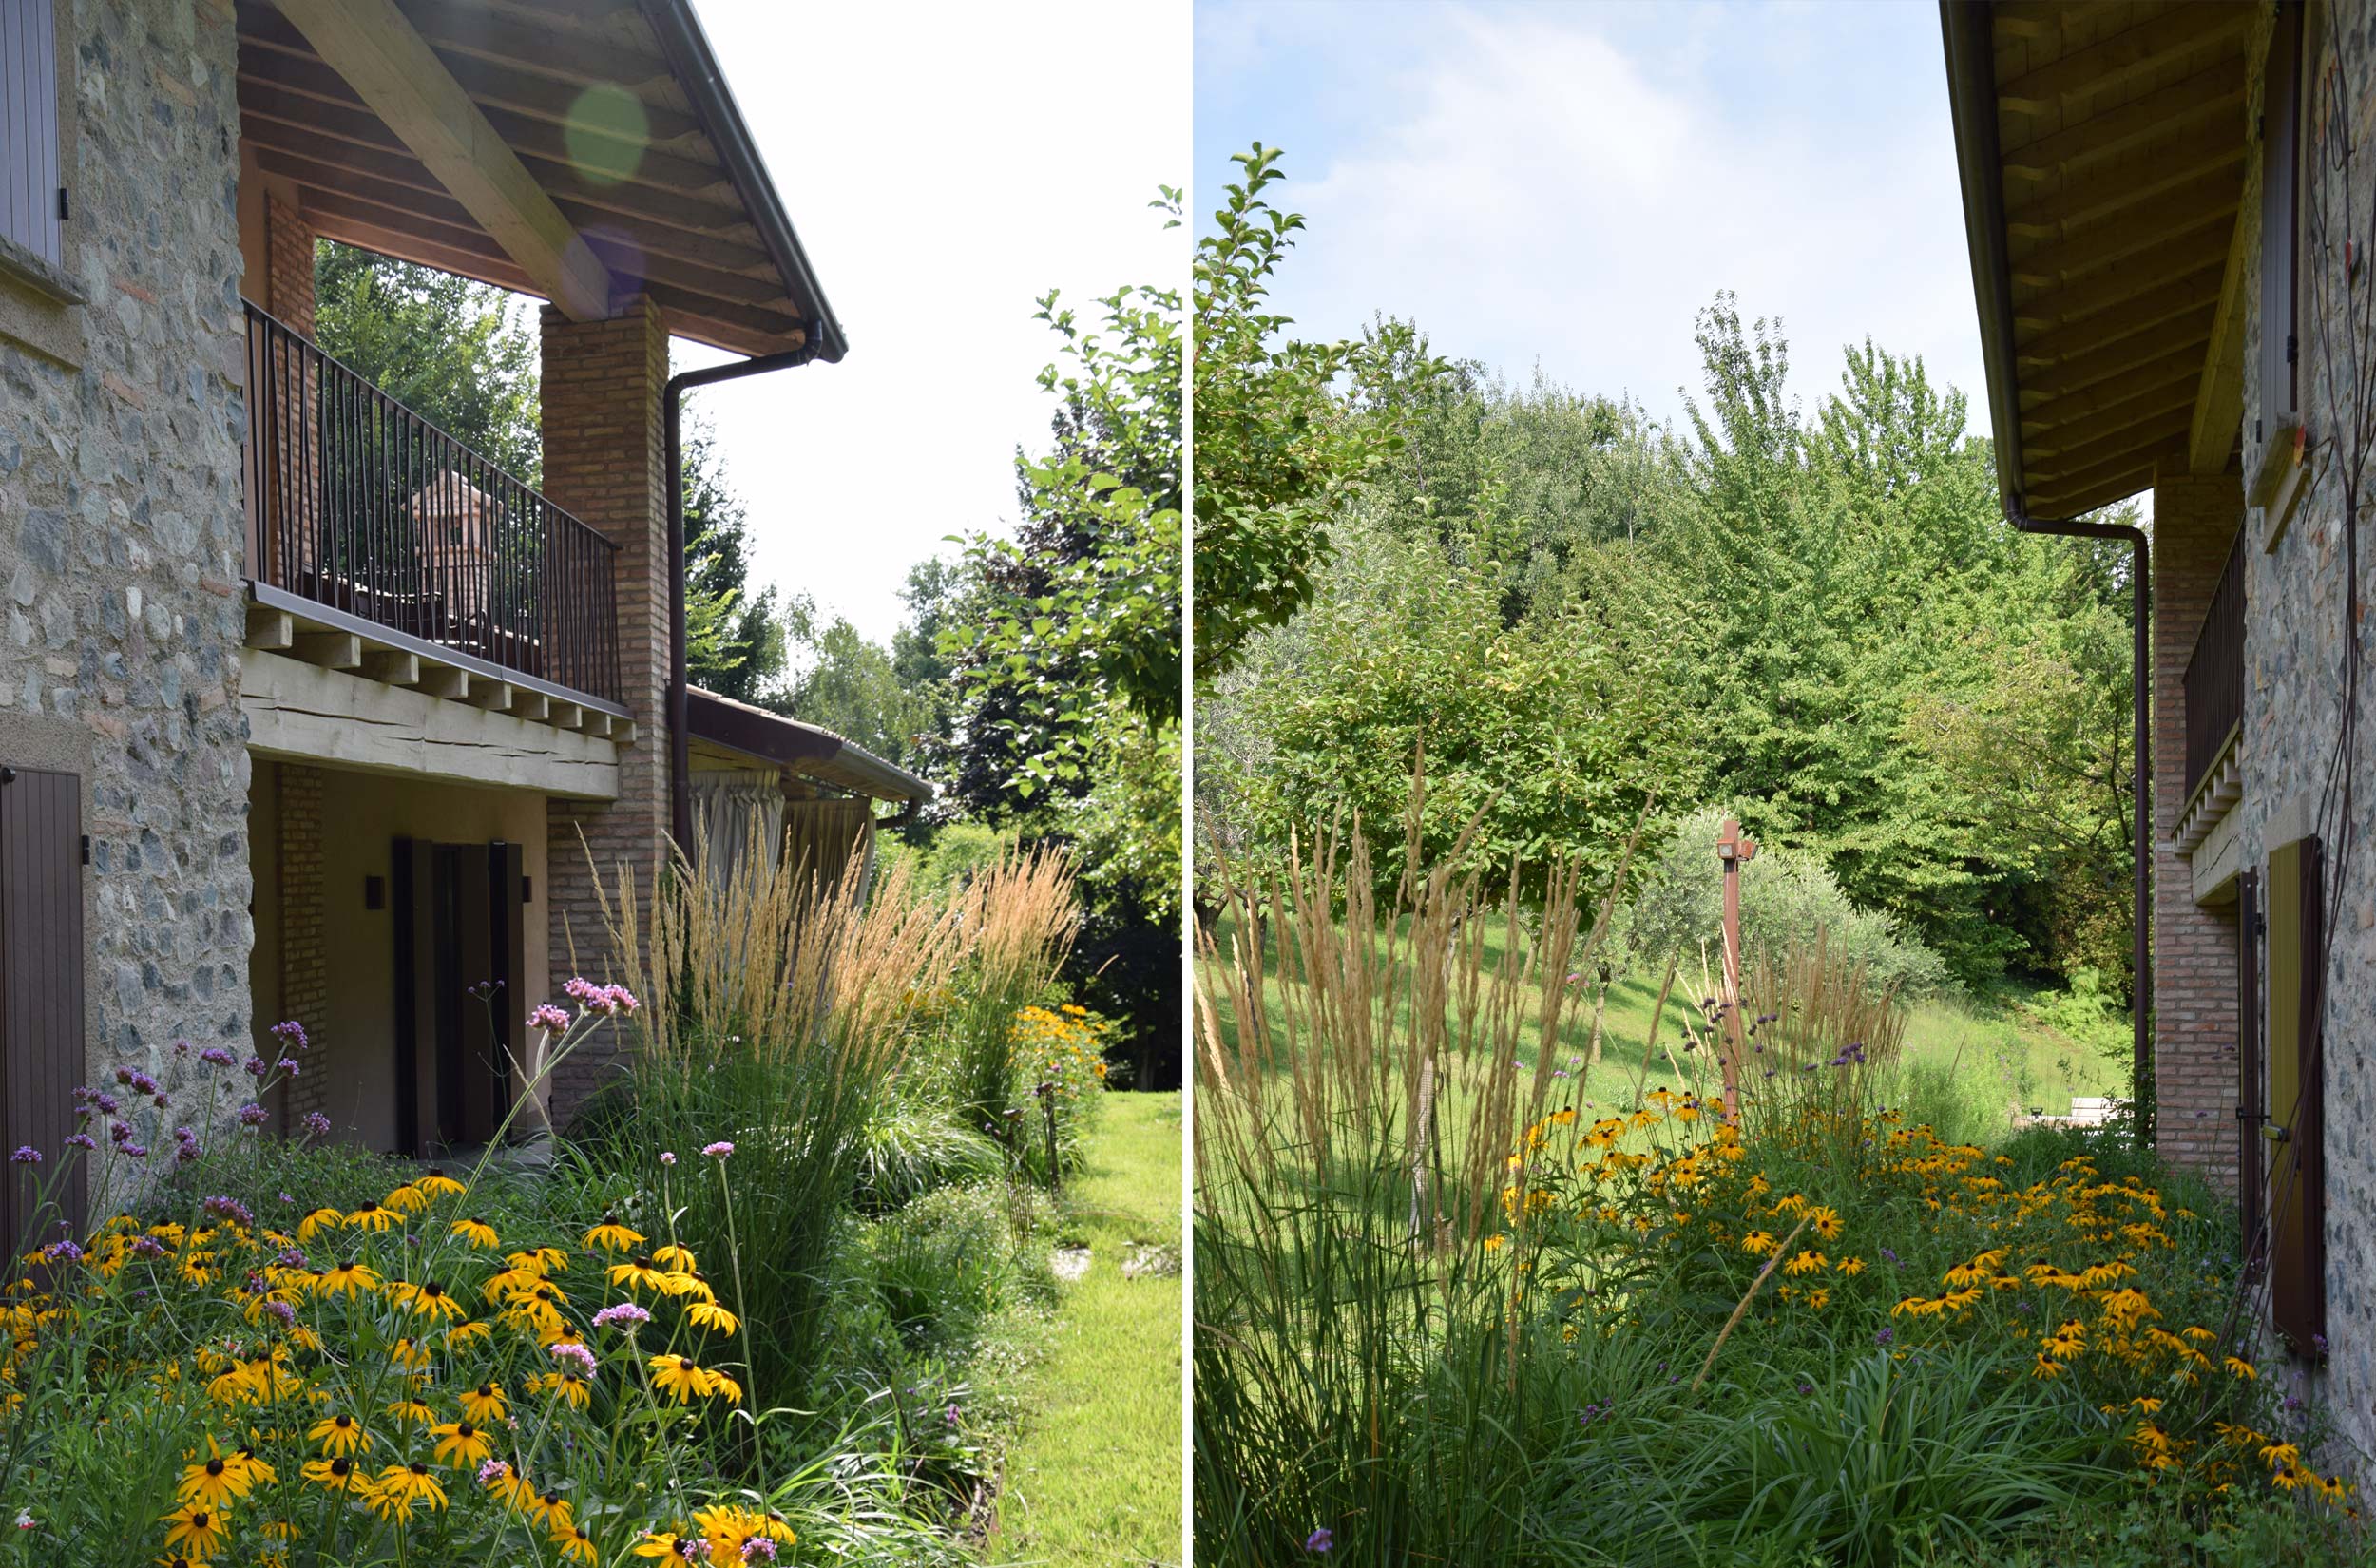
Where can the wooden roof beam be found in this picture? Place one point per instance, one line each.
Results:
(2211, 93)
(505, 86)
(2067, 303)
(2139, 312)
(649, 218)
(2201, 208)
(2168, 352)
(2122, 57)
(570, 55)
(271, 116)
(2156, 407)
(2045, 401)
(396, 72)
(2049, 211)
(2106, 479)
(2218, 422)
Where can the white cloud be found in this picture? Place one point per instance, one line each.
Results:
(944, 166)
(1572, 184)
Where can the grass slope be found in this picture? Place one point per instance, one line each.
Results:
(1992, 1055)
(1095, 1477)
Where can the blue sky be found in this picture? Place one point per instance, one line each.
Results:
(1567, 185)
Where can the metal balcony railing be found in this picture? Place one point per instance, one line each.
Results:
(2215, 674)
(357, 504)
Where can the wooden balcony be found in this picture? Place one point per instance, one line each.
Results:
(384, 544)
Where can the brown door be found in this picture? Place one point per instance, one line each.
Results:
(41, 1000)
(2297, 1164)
(460, 942)
(2250, 1110)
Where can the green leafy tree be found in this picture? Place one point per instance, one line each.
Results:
(1276, 452)
(1063, 648)
(735, 639)
(456, 352)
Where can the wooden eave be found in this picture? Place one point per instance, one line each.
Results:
(681, 212)
(2102, 150)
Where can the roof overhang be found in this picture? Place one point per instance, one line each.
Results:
(577, 150)
(807, 749)
(2101, 151)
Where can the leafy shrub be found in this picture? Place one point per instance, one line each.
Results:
(1786, 897)
(954, 1258)
(909, 1145)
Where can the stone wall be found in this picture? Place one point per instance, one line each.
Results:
(2293, 654)
(121, 528)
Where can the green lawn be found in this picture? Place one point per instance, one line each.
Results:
(1095, 1477)
(1990, 1055)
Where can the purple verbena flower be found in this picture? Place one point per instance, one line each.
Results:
(626, 1313)
(26, 1154)
(252, 1115)
(317, 1124)
(215, 1055)
(574, 1353)
(1322, 1539)
(291, 1032)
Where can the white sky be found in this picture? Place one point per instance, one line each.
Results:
(944, 166)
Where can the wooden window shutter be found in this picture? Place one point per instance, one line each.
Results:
(41, 995)
(32, 198)
(2297, 1186)
(2251, 1109)
(2280, 218)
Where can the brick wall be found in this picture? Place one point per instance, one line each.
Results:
(604, 461)
(2194, 947)
(288, 265)
(304, 960)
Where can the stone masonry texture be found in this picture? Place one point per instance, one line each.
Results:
(604, 461)
(2294, 652)
(121, 528)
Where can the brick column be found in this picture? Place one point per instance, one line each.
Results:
(304, 964)
(604, 461)
(288, 265)
(2194, 947)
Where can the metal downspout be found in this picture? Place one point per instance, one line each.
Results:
(680, 761)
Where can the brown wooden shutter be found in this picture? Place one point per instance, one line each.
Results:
(2281, 160)
(2250, 1110)
(31, 198)
(41, 996)
(2297, 1257)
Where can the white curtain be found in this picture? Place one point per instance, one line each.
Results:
(738, 814)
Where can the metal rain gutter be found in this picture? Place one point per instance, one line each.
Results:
(695, 68)
(1972, 102)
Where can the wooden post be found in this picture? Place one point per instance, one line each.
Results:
(1734, 852)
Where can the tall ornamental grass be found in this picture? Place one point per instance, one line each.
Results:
(1369, 1367)
(803, 1016)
